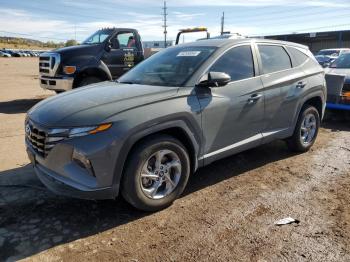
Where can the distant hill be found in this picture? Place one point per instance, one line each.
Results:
(26, 43)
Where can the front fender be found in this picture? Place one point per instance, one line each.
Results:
(156, 126)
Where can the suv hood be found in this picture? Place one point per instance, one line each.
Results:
(93, 104)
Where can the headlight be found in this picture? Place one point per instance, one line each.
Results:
(77, 131)
(69, 69)
(83, 131)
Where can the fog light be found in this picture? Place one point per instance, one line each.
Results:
(82, 161)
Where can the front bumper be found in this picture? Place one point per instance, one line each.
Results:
(62, 174)
(56, 83)
(61, 186)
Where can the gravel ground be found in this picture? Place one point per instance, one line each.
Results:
(227, 212)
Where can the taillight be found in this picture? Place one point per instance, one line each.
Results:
(346, 96)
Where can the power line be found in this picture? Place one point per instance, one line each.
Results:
(301, 31)
(279, 18)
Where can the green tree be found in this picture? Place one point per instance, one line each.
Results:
(71, 42)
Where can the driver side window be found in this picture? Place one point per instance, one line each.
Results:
(237, 62)
(126, 40)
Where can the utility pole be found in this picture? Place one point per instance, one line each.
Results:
(222, 23)
(165, 24)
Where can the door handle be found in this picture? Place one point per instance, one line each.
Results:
(253, 98)
(301, 84)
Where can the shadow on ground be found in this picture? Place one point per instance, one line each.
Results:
(337, 120)
(18, 106)
(33, 219)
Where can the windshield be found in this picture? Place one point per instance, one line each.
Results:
(170, 67)
(342, 62)
(97, 37)
(329, 52)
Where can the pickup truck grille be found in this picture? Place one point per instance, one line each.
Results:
(49, 63)
(40, 139)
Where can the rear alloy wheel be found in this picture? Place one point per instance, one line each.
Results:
(306, 130)
(156, 173)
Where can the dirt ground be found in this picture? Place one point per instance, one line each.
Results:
(227, 212)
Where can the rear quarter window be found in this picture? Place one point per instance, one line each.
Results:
(274, 58)
(298, 57)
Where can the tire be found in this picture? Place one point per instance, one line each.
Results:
(88, 81)
(137, 190)
(306, 130)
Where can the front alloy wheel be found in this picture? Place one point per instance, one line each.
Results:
(160, 174)
(156, 173)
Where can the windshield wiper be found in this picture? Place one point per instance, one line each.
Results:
(126, 82)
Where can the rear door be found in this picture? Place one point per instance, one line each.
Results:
(232, 115)
(120, 60)
(283, 85)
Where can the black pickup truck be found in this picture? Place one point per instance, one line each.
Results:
(105, 55)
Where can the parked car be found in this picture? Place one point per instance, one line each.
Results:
(3, 54)
(338, 83)
(105, 55)
(179, 110)
(326, 56)
(13, 53)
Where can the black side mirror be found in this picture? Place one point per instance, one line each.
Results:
(115, 43)
(214, 79)
(112, 44)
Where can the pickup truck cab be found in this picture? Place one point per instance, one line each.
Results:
(105, 55)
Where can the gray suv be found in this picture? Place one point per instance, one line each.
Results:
(181, 109)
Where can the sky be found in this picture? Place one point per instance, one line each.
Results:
(60, 20)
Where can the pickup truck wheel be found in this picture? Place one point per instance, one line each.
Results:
(306, 130)
(156, 173)
(88, 81)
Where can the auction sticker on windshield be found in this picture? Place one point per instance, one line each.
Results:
(189, 53)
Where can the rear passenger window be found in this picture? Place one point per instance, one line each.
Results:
(237, 62)
(274, 58)
(298, 57)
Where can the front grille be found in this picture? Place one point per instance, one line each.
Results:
(42, 70)
(40, 139)
(49, 63)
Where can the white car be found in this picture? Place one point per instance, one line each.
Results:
(3, 54)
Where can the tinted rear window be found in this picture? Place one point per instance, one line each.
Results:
(298, 57)
(274, 58)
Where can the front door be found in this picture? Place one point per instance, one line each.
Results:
(232, 115)
(123, 54)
